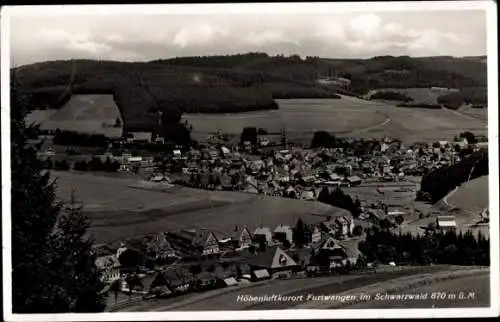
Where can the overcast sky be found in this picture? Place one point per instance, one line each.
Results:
(344, 35)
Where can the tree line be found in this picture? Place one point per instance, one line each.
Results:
(337, 198)
(218, 61)
(64, 137)
(391, 95)
(435, 247)
(421, 105)
(95, 164)
(470, 95)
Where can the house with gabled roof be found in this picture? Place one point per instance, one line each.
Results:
(159, 285)
(333, 253)
(108, 267)
(340, 227)
(262, 234)
(282, 233)
(170, 280)
(205, 281)
(312, 234)
(243, 237)
(446, 222)
(195, 242)
(158, 247)
(275, 261)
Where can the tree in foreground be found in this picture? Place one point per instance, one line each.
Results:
(53, 269)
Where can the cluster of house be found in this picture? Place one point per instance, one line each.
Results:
(240, 255)
(302, 173)
(295, 171)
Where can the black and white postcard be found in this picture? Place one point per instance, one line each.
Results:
(250, 161)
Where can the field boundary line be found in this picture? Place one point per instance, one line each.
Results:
(445, 199)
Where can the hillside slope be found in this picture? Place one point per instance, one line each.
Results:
(232, 83)
(141, 90)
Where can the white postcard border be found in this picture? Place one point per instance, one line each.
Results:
(261, 8)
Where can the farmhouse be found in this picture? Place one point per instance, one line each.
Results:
(159, 285)
(171, 280)
(332, 253)
(283, 233)
(341, 227)
(159, 247)
(243, 237)
(446, 222)
(275, 261)
(205, 281)
(108, 267)
(312, 234)
(194, 242)
(262, 235)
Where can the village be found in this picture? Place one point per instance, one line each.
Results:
(191, 260)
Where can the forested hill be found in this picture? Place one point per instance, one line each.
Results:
(231, 83)
(143, 89)
(377, 72)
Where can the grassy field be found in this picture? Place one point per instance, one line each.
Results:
(300, 117)
(83, 113)
(349, 116)
(472, 195)
(391, 195)
(118, 209)
(296, 115)
(39, 116)
(479, 113)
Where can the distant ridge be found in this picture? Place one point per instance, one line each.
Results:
(233, 83)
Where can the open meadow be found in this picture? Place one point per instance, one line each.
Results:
(349, 116)
(119, 208)
(471, 196)
(297, 116)
(82, 113)
(479, 113)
